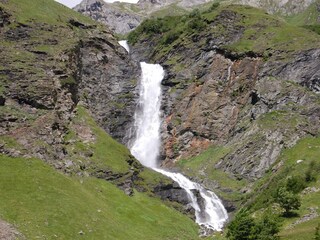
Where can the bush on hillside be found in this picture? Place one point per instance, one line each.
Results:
(171, 36)
(296, 184)
(287, 200)
(214, 6)
(244, 227)
(312, 172)
(317, 233)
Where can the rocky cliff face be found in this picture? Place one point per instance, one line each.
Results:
(107, 83)
(119, 17)
(255, 102)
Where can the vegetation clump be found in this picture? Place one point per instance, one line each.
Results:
(245, 227)
(287, 200)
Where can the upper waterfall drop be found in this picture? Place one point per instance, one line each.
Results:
(124, 44)
(147, 117)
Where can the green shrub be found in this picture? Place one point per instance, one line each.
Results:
(242, 227)
(69, 81)
(314, 28)
(287, 200)
(214, 6)
(296, 184)
(195, 13)
(267, 228)
(317, 233)
(311, 173)
(171, 36)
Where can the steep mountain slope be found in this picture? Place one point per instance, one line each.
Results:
(241, 91)
(62, 78)
(124, 17)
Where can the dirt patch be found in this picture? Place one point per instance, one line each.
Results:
(8, 232)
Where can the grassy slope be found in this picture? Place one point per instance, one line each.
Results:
(264, 34)
(308, 17)
(307, 149)
(46, 204)
(43, 203)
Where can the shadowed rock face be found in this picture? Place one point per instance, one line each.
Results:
(108, 79)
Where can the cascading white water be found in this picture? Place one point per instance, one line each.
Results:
(146, 147)
(213, 214)
(124, 44)
(147, 117)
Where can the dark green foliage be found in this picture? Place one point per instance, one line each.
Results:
(296, 184)
(69, 81)
(171, 37)
(317, 233)
(214, 6)
(287, 200)
(196, 21)
(152, 26)
(195, 13)
(170, 27)
(196, 24)
(314, 28)
(244, 227)
(312, 171)
(267, 228)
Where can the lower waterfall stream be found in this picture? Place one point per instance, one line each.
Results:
(211, 213)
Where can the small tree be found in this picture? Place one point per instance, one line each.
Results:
(287, 200)
(242, 227)
(267, 228)
(296, 184)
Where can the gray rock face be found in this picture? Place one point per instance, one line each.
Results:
(113, 15)
(108, 81)
(283, 7)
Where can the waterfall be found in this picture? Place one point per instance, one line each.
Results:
(124, 44)
(209, 211)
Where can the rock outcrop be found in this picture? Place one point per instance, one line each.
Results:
(120, 19)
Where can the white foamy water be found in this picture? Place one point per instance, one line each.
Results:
(147, 117)
(209, 210)
(124, 44)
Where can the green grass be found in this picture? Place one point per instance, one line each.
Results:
(307, 17)
(264, 32)
(43, 203)
(203, 166)
(43, 11)
(106, 152)
(307, 149)
(170, 10)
